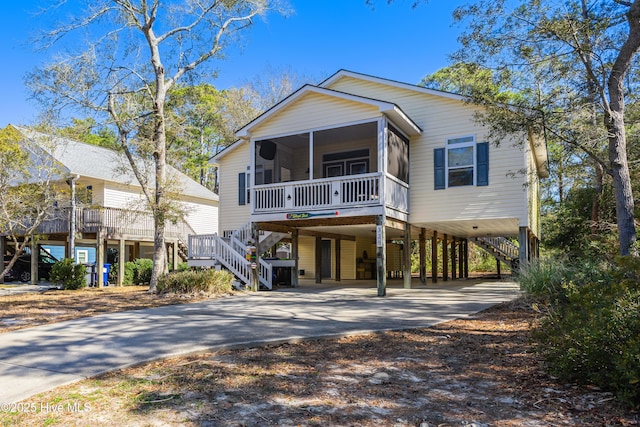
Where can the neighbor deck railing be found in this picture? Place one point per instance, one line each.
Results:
(112, 221)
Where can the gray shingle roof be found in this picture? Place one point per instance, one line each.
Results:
(92, 161)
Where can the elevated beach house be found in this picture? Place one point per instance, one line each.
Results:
(101, 213)
(353, 170)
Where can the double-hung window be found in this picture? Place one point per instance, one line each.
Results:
(461, 162)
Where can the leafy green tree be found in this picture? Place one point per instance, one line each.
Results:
(88, 130)
(27, 193)
(573, 63)
(137, 53)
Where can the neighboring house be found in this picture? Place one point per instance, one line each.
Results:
(353, 170)
(110, 212)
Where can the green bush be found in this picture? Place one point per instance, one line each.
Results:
(210, 282)
(544, 277)
(135, 272)
(69, 274)
(142, 269)
(593, 334)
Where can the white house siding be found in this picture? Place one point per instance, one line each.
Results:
(441, 118)
(120, 196)
(201, 215)
(232, 215)
(314, 111)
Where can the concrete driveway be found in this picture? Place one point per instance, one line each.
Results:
(41, 358)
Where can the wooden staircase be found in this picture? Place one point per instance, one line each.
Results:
(500, 248)
(230, 253)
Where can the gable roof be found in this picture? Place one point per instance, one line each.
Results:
(340, 74)
(92, 161)
(389, 109)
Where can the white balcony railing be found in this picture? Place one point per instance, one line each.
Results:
(339, 192)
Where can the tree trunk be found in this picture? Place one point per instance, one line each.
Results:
(622, 184)
(614, 122)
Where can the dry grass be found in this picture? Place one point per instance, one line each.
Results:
(481, 370)
(39, 308)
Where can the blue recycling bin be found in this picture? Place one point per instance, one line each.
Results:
(105, 274)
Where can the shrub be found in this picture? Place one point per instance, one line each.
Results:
(210, 282)
(544, 277)
(594, 335)
(142, 269)
(69, 274)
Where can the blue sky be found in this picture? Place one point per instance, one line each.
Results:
(393, 41)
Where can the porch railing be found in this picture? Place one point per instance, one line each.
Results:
(344, 191)
(113, 221)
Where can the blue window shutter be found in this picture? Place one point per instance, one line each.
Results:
(438, 167)
(482, 158)
(242, 189)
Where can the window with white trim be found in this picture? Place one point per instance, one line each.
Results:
(460, 161)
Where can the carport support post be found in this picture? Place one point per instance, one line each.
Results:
(294, 255)
(466, 258)
(381, 255)
(434, 257)
(121, 261)
(461, 258)
(406, 255)
(318, 259)
(34, 260)
(338, 266)
(99, 258)
(453, 258)
(445, 258)
(523, 241)
(423, 256)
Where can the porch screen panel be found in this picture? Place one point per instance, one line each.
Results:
(398, 155)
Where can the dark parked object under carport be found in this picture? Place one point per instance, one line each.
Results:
(21, 270)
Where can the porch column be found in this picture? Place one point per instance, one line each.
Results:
(445, 258)
(318, 259)
(406, 256)
(294, 255)
(121, 261)
(34, 260)
(498, 268)
(423, 256)
(381, 255)
(453, 258)
(434, 257)
(338, 244)
(523, 241)
(99, 258)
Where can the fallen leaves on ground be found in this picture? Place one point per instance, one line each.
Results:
(481, 370)
(39, 308)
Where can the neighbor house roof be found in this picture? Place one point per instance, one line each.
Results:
(92, 161)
